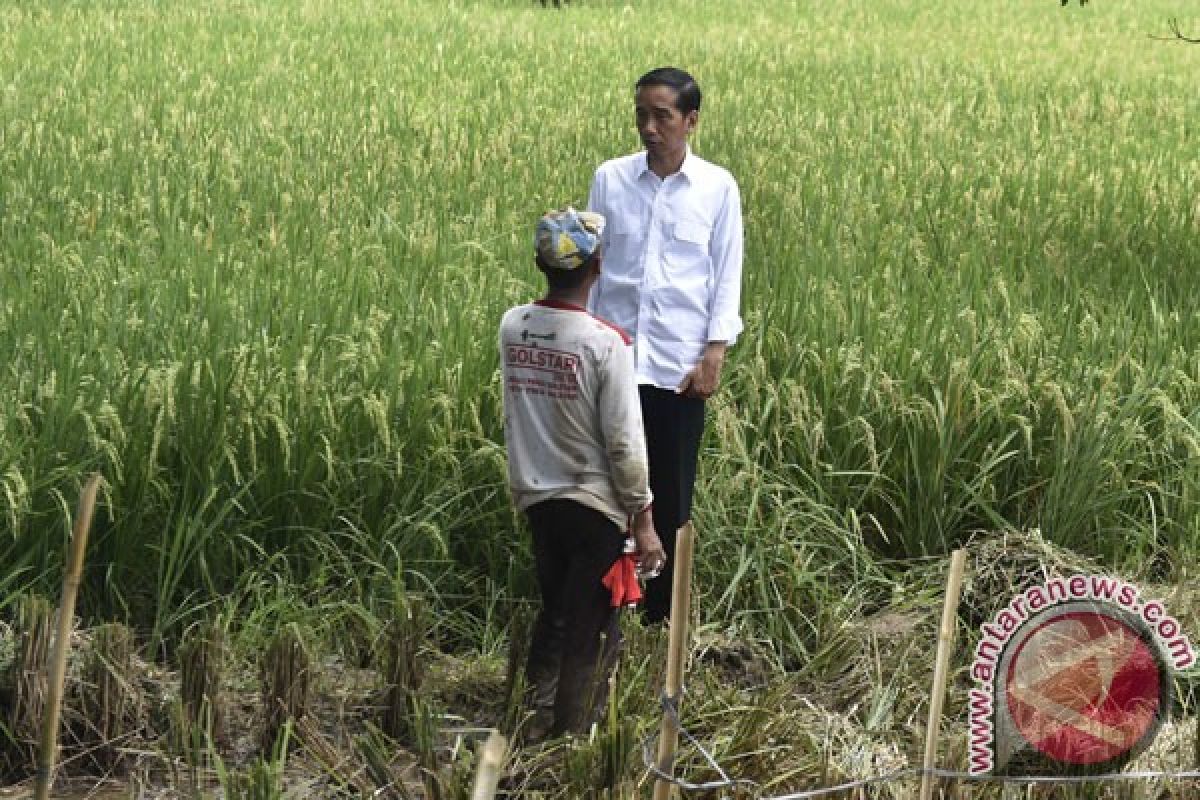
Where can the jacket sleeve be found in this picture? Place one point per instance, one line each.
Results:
(621, 422)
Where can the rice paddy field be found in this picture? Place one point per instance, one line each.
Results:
(252, 259)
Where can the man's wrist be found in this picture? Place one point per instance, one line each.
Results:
(641, 518)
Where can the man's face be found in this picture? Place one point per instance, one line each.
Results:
(662, 127)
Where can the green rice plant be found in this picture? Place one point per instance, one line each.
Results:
(424, 727)
(768, 560)
(262, 779)
(376, 750)
(183, 572)
(406, 635)
(616, 740)
(515, 683)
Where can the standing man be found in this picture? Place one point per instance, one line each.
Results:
(577, 467)
(672, 279)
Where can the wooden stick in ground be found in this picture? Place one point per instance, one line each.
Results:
(490, 760)
(941, 668)
(48, 749)
(681, 602)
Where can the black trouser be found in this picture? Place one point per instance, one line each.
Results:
(674, 425)
(576, 638)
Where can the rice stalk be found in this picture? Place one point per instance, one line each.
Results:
(406, 634)
(30, 685)
(111, 705)
(288, 678)
(202, 659)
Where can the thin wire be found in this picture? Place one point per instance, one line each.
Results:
(890, 777)
(1105, 777)
(671, 709)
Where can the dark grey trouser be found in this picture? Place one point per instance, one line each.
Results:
(576, 639)
(674, 426)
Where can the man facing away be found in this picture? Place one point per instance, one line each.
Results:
(672, 279)
(577, 467)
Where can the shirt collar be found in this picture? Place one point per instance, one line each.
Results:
(689, 165)
(547, 302)
(643, 164)
(687, 169)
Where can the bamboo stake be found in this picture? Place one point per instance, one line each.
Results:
(48, 749)
(681, 602)
(958, 562)
(491, 757)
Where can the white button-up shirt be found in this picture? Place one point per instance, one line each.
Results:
(672, 269)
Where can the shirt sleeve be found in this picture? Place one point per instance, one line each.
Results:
(596, 203)
(724, 321)
(624, 437)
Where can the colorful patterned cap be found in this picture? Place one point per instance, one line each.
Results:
(566, 239)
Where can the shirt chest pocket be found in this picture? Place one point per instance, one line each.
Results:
(626, 235)
(626, 225)
(686, 252)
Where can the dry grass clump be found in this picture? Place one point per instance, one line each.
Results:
(1174, 749)
(741, 662)
(110, 699)
(201, 722)
(850, 751)
(27, 687)
(287, 685)
(1005, 563)
(110, 714)
(883, 683)
(473, 682)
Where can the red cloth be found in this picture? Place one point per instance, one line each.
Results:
(621, 581)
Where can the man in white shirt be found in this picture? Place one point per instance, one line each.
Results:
(672, 279)
(577, 467)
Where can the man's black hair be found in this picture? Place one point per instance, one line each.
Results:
(687, 96)
(566, 278)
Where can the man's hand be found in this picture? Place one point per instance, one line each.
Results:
(650, 555)
(703, 379)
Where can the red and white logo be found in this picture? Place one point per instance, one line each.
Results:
(1073, 677)
(1084, 688)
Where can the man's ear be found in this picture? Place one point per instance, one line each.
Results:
(692, 118)
(594, 269)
